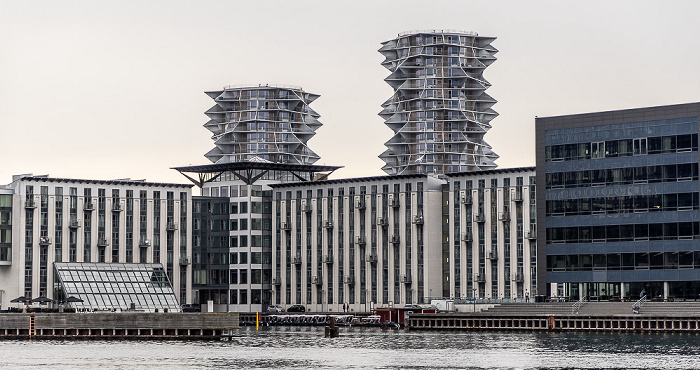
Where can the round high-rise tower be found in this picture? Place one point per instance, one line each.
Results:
(262, 123)
(440, 111)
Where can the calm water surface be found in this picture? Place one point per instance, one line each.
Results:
(356, 348)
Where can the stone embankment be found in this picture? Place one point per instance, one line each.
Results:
(592, 316)
(125, 325)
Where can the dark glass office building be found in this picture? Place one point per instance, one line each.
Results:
(620, 215)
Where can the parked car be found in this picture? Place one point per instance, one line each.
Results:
(190, 307)
(275, 308)
(296, 308)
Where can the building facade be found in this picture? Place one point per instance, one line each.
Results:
(365, 241)
(440, 110)
(233, 228)
(619, 211)
(491, 251)
(51, 220)
(269, 123)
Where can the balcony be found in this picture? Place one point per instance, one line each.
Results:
(372, 258)
(504, 216)
(360, 204)
(172, 226)
(493, 255)
(517, 196)
(479, 278)
(145, 243)
(328, 224)
(328, 259)
(478, 217)
(394, 239)
(184, 261)
(74, 224)
(360, 240)
(350, 280)
(29, 204)
(317, 280)
(382, 221)
(116, 207)
(306, 208)
(296, 260)
(405, 279)
(467, 237)
(418, 219)
(102, 242)
(518, 278)
(277, 280)
(44, 240)
(394, 202)
(88, 206)
(286, 225)
(531, 234)
(467, 199)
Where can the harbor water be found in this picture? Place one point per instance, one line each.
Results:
(366, 348)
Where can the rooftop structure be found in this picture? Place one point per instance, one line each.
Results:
(263, 123)
(440, 111)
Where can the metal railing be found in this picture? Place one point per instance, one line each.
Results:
(638, 305)
(578, 304)
(252, 86)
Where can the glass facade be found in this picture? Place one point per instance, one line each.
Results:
(621, 210)
(116, 286)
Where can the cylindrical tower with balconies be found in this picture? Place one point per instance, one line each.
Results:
(262, 123)
(440, 111)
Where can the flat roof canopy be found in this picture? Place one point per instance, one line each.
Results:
(250, 171)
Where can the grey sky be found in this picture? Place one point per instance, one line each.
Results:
(114, 89)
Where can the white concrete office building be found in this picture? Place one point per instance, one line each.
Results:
(363, 241)
(492, 249)
(46, 220)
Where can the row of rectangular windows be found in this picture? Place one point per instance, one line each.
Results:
(624, 261)
(621, 148)
(622, 176)
(632, 232)
(623, 204)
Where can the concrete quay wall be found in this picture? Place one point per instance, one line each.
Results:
(125, 325)
(636, 323)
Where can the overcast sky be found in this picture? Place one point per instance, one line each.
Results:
(115, 89)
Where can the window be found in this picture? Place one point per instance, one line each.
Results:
(640, 146)
(598, 150)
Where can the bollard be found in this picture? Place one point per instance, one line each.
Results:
(332, 331)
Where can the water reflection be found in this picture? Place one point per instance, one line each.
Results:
(358, 348)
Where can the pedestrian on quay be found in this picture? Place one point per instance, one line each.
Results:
(527, 296)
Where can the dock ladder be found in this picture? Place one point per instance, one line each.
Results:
(32, 326)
